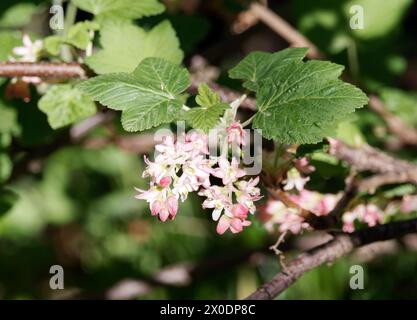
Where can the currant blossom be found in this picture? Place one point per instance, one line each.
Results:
(319, 204)
(235, 133)
(161, 201)
(409, 204)
(195, 173)
(288, 219)
(295, 180)
(365, 213)
(183, 166)
(175, 156)
(196, 144)
(218, 199)
(156, 170)
(30, 51)
(236, 222)
(168, 151)
(246, 193)
(229, 172)
(303, 166)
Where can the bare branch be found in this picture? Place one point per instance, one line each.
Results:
(406, 134)
(339, 246)
(42, 70)
(367, 158)
(284, 29)
(372, 183)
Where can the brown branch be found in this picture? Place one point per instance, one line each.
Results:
(284, 29)
(367, 158)
(76, 70)
(339, 246)
(406, 134)
(372, 183)
(42, 70)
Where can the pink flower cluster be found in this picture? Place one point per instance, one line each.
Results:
(364, 213)
(183, 166)
(289, 219)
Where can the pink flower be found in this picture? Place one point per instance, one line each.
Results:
(30, 51)
(236, 223)
(156, 170)
(195, 173)
(291, 221)
(247, 192)
(217, 199)
(409, 204)
(161, 202)
(372, 215)
(165, 182)
(327, 204)
(167, 148)
(228, 172)
(235, 133)
(320, 204)
(196, 143)
(349, 222)
(295, 180)
(303, 166)
(365, 213)
(288, 219)
(182, 167)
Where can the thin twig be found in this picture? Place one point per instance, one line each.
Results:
(42, 69)
(370, 184)
(406, 134)
(367, 158)
(284, 29)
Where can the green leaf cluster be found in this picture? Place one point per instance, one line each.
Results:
(79, 36)
(298, 102)
(124, 46)
(149, 96)
(120, 9)
(207, 115)
(65, 104)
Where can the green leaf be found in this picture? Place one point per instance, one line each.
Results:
(18, 15)
(8, 41)
(52, 44)
(125, 9)
(8, 120)
(7, 200)
(5, 167)
(65, 105)
(149, 96)
(401, 103)
(207, 97)
(298, 102)
(125, 46)
(349, 132)
(205, 118)
(258, 65)
(211, 108)
(79, 34)
(379, 20)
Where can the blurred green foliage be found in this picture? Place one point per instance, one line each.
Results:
(75, 207)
